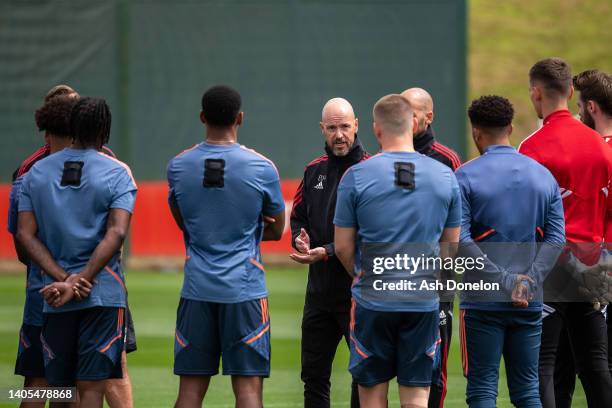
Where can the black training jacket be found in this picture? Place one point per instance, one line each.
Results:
(425, 143)
(314, 205)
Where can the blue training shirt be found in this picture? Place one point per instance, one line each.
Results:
(72, 219)
(507, 198)
(33, 307)
(224, 224)
(382, 212)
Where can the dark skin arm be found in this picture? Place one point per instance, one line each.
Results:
(117, 227)
(21, 253)
(274, 227)
(34, 249)
(178, 217)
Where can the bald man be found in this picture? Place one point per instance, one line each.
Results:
(328, 295)
(425, 143)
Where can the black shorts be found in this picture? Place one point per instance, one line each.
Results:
(83, 345)
(29, 355)
(238, 333)
(130, 333)
(393, 344)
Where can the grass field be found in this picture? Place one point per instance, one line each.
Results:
(153, 299)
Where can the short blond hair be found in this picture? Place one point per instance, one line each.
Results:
(393, 114)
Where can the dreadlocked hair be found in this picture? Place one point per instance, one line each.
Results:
(90, 122)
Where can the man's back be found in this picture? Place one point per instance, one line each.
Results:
(509, 203)
(576, 156)
(508, 193)
(222, 215)
(388, 213)
(71, 209)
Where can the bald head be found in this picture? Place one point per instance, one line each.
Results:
(336, 107)
(422, 105)
(393, 116)
(339, 126)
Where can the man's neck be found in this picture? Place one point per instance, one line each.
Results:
(56, 144)
(551, 106)
(604, 126)
(221, 136)
(398, 144)
(496, 142)
(80, 146)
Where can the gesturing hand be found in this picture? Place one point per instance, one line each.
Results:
(312, 256)
(302, 242)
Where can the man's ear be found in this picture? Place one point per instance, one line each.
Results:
(591, 107)
(476, 135)
(202, 117)
(430, 117)
(510, 129)
(571, 93)
(239, 118)
(415, 124)
(322, 126)
(356, 125)
(376, 130)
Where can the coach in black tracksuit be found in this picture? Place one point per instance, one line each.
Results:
(426, 144)
(328, 295)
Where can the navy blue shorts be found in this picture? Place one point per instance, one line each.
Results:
(29, 354)
(393, 344)
(238, 331)
(83, 345)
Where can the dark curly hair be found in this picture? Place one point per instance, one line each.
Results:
(54, 116)
(491, 111)
(90, 122)
(595, 85)
(221, 105)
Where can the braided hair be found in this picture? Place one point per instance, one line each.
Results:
(90, 122)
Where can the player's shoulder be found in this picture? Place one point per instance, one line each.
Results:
(185, 154)
(450, 156)
(32, 159)
(113, 164)
(254, 156)
(316, 162)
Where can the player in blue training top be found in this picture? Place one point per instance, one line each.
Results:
(54, 118)
(220, 195)
(396, 197)
(74, 213)
(509, 202)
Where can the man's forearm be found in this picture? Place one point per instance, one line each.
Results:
(38, 252)
(103, 253)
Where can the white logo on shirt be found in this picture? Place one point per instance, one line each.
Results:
(321, 179)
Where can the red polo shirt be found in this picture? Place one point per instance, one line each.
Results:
(579, 159)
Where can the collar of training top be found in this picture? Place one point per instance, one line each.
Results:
(354, 155)
(424, 141)
(500, 149)
(557, 114)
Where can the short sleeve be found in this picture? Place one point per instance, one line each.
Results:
(454, 210)
(274, 203)
(346, 215)
(124, 190)
(13, 206)
(25, 198)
